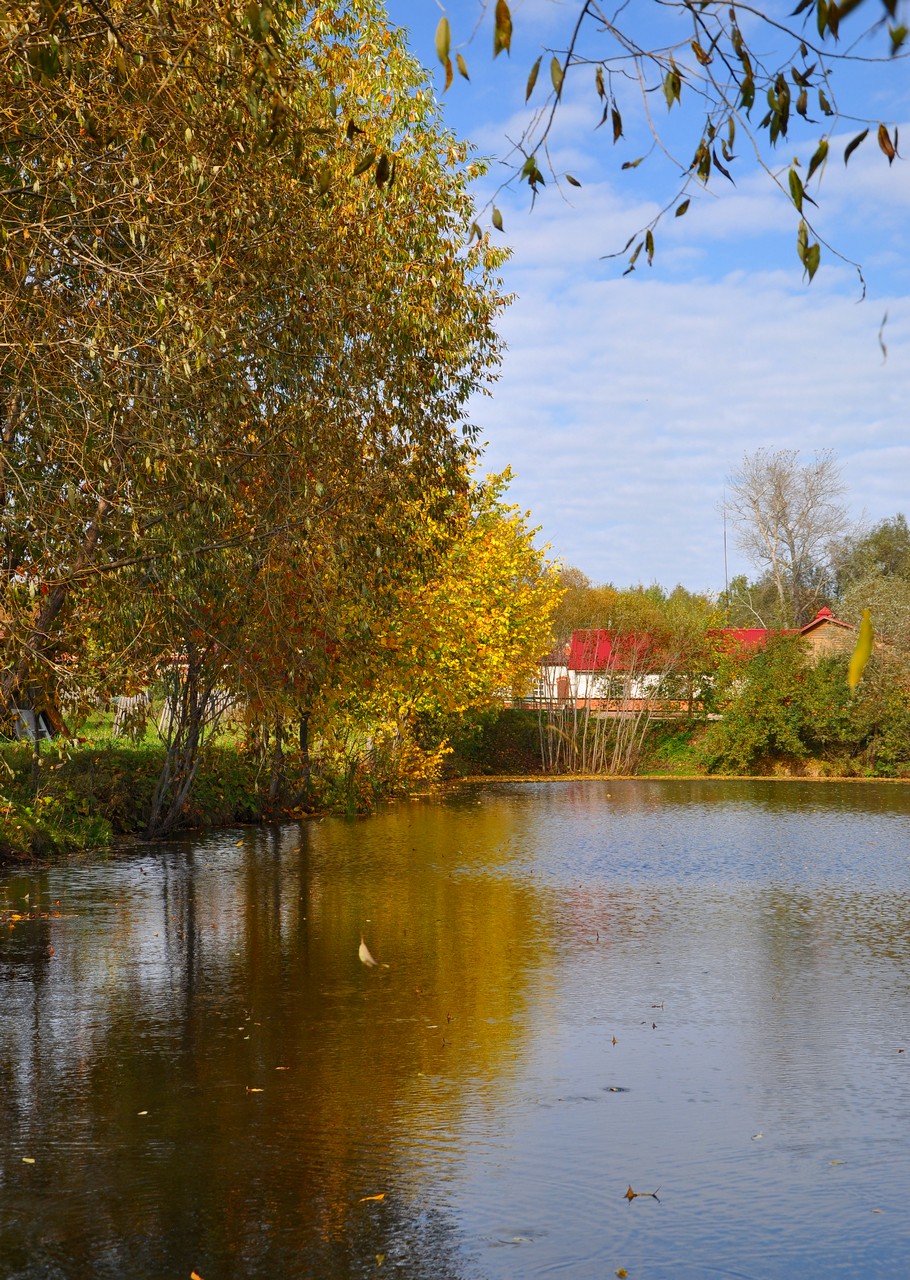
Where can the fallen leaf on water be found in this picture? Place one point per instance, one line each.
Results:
(365, 1199)
(641, 1195)
(757, 1136)
(27, 1160)
(194, 1275)
(621, 1272)
(252, 1089)
(363, 952)
(380, 1259)
(282, 1068)
(141, 1113)
(838, 1162)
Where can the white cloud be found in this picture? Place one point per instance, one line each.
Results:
(624, 403)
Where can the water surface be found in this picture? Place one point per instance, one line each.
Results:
(695, 988)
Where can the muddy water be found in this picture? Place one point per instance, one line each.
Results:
(695, 989)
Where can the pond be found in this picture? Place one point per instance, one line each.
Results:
(583, 990)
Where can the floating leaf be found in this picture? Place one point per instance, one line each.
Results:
(369, 1199)
(862, 651)
(502, 29)
(363, 951)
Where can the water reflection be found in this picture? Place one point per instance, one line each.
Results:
(581, 987)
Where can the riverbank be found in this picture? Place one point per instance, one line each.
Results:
(68, 800)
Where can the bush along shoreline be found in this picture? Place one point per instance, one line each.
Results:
(784, 718)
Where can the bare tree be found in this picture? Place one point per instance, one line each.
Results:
(787, 516)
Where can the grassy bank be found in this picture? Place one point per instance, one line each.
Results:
(60, 803)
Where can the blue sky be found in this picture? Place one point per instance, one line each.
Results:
(624, 402)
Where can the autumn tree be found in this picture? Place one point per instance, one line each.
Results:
(235, 280)
(239, 309)
(731, 81)
(788, 517)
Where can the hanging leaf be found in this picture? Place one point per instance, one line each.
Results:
(572, 181)
(617, 124)
(633, 164)
(682, 208)
(382, 171)
(443, 40)
(496, 218)
(449, 74)
(851, 146)
(365, 162)
(599, 82)
(556, 75)
(813, 257)
(819, 158)
(462, 65)
(796, 189)
(672, 87)
(532, 79)
(502, 29)
(884, 141)
(862, 652)
(649, 245)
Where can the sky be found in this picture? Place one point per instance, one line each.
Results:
(625, 402)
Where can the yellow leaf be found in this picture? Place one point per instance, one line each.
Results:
(365, 1199)
(862, 651)
(502, 34)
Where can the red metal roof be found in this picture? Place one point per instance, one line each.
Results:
(601, 650)
(743, 639)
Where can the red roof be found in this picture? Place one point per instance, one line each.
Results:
(600, 650)
(823, 616)
(742, 639)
